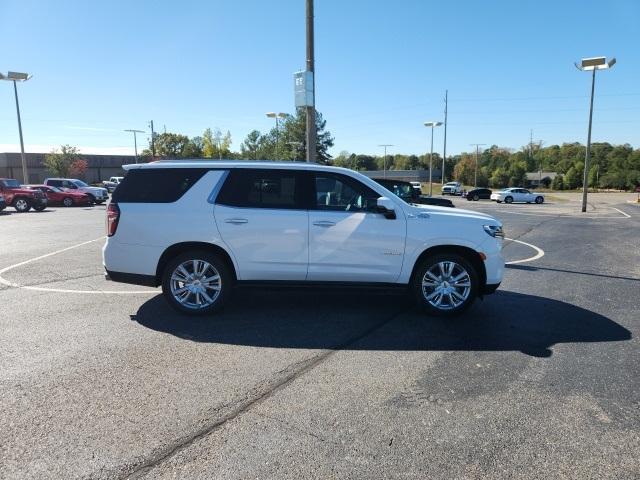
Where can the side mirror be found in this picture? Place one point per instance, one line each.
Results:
(386, 207)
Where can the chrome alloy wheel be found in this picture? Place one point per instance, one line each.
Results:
(21, 205)
(196, 284)
(446, 285)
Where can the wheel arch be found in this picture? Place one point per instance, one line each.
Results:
(469, 253)
(179, 248)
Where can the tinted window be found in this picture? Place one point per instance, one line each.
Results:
(55, 183)
(337, 192)
(268, 188)
(156, 185)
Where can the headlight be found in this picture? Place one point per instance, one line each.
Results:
(494, 230)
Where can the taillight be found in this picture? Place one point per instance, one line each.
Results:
(113, 215)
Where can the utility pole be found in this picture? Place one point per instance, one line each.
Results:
(475, 178)
(384, 161)
(153, 141)
(311, 110)
(444, 155)
(25, 172)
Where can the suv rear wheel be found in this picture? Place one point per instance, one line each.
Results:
(21, 205)
(196, 283)
(445, 284)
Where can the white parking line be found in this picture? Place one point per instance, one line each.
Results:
(9, 283)
(539, 252)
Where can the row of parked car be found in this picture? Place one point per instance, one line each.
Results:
(66, 192)
(506, 195)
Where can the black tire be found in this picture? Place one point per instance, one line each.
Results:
(67, 202)
(539, 200)
(498, 201)
(225, 283)
(40, 208)
(99, 202)
(92, 199)
(508, 200)
(21, 205)
(448, 309)
(476, 198)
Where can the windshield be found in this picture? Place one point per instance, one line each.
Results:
(79, 183)
(11, 183)
(451, 184)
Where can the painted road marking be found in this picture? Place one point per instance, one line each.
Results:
(539, 252)
(64, 290)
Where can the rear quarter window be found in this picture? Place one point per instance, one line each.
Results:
(156, 185)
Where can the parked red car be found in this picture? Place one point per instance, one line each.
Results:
(58, 196)
(21, 198)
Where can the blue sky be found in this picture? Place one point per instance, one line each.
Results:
(382, 70)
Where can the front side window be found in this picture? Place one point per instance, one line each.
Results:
(79, 183)
(339, 193)
(262, 188)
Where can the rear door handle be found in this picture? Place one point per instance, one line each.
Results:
(324, 223)
(236, 221)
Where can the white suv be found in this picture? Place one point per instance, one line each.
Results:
(199, 227)
(452, 188)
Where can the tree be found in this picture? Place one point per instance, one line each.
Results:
(59, 163)
(171, 145)
(572, 179)
(464, 171)
(558, 183)
(78, 168)
(250, 147)
(193, 148)
(292, 142)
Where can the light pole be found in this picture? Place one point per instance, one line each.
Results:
(384, 161)
(135, 141)
(586, 65)
(432, 125)
(19, 77)
(475, 177)
(276, 116)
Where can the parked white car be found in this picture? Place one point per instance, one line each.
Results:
(417, 186)
(199, 227)
(97, 195)
(510, 195)
(452, 188)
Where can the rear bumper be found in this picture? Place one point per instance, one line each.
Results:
(131, 278)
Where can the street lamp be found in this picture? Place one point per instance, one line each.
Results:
(384, 161)
(276, 116)
(18, 77)
(135, 141)
(591, 65)
(432, 125)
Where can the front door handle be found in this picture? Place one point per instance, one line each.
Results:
(236, 221)
(324, 223)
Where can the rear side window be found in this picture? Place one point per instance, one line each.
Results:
(156, 185)
(55, 183)
(268, 188)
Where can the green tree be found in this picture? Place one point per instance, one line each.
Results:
(193, 148)
(558, 183)
(572, 179)
(59, 163)
(464, 171)
(250, 147)
(292, 138)
(171, 145)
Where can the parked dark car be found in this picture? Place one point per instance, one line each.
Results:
(407, 192)
(478, 194)
(3, 203)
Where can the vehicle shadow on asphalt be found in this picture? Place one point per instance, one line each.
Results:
(505, 321)
(530, 268)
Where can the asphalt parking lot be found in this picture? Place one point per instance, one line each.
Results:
(539, 380)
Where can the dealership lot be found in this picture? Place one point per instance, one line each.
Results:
(103, 380)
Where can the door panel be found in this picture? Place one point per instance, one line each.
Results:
(261, 216)
(348, 241)
(268, 244)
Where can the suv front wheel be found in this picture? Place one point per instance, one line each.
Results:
(196, 283)
(21, 205)
(445, 284)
